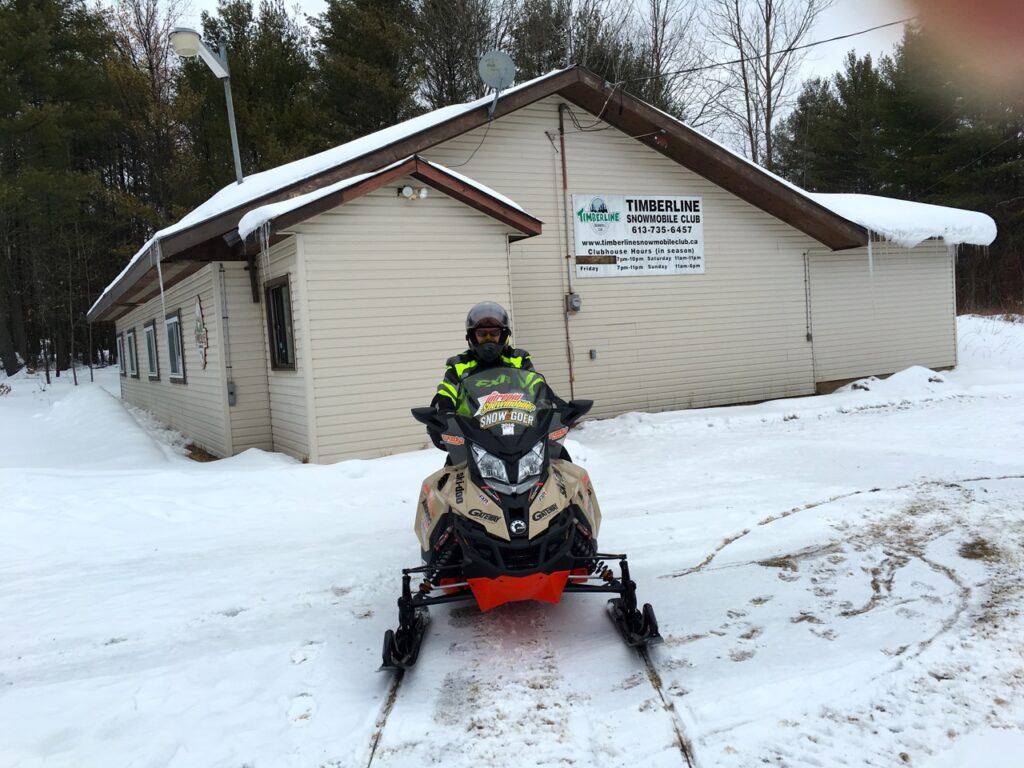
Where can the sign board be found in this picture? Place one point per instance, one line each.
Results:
(638, 235)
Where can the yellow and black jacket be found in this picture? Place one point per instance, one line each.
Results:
(460, 366)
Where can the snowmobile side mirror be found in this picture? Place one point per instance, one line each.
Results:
(576, 410)
(430, 417)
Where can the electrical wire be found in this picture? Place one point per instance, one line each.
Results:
(765, 55)
(473, 154)
(968, 165)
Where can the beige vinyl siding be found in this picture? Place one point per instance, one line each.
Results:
(388, 285)
(736, 333)
(250, 415)
(197, 408)
(869, 324)
(289, 419)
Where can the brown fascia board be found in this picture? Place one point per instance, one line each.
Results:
(423, 171)
(146, 289)
(690, 149)
(212, 250)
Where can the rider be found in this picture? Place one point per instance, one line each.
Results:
(488, 334)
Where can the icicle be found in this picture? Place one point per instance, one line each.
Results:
(263, 237)
(871, 272)
(871, 264)
(156, 252)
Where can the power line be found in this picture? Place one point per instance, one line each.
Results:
(968, 165)
(765, 55)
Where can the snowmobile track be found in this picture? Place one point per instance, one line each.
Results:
(655, 679)
(385, 712)
(682, 742)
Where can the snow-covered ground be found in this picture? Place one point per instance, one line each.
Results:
(838, 580)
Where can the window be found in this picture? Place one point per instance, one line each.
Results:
(279, 325)
(120, 355)
(133, 354)
(152, 360)
(175, 347)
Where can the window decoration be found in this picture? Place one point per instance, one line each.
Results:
(202, 337)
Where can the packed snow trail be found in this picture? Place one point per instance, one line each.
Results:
(160, 612)
(553, 681)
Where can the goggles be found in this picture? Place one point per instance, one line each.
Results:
(484, 335)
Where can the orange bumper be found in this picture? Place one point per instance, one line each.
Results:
(545, 587)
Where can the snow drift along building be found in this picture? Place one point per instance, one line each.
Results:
(646, 267)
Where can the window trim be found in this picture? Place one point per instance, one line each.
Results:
(171, 376)
(121, 363)
(269, 286)
(153, 371)
(132, 347)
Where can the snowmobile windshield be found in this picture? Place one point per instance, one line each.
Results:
(506, 402)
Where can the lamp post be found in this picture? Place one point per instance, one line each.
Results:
(187, 43)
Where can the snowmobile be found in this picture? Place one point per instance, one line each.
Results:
(509, 518)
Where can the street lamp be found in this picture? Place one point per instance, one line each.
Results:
(187, 43)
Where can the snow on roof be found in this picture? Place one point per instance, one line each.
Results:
(904, 222)
(266, 182)
(907, 223)
(257, 217)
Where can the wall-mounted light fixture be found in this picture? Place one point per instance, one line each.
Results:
(412, 194)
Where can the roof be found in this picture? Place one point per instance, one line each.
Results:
(276, 216)
(208, 233)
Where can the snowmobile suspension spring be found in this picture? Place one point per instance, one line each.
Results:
(585, 549)
(441, 563)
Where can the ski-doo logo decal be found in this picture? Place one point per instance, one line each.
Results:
(481, 515)
(517, 526)
(497, 401)
(546, 512)
(494, 418)
(453, 439)
(460, 488)
(558, 434)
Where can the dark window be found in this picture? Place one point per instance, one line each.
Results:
(175, 348)
(133, 354)
(152, 358)
(122, 364)
(279, 324)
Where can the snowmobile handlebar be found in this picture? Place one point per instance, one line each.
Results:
(570, 412)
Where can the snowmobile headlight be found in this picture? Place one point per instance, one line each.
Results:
(490, 466)
(531, 464)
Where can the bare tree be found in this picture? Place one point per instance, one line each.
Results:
(758, 38)
(672, 39)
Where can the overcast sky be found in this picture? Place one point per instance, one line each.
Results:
(843, 17)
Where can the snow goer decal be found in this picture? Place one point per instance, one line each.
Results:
(505, 408)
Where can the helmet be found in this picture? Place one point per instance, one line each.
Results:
(487, 314)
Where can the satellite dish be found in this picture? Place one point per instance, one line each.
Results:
(497, 70)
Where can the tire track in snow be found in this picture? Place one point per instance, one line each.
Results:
(812, 505)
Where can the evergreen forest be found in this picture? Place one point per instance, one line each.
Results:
(106, 136)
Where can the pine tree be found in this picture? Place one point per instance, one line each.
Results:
(366, 66)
